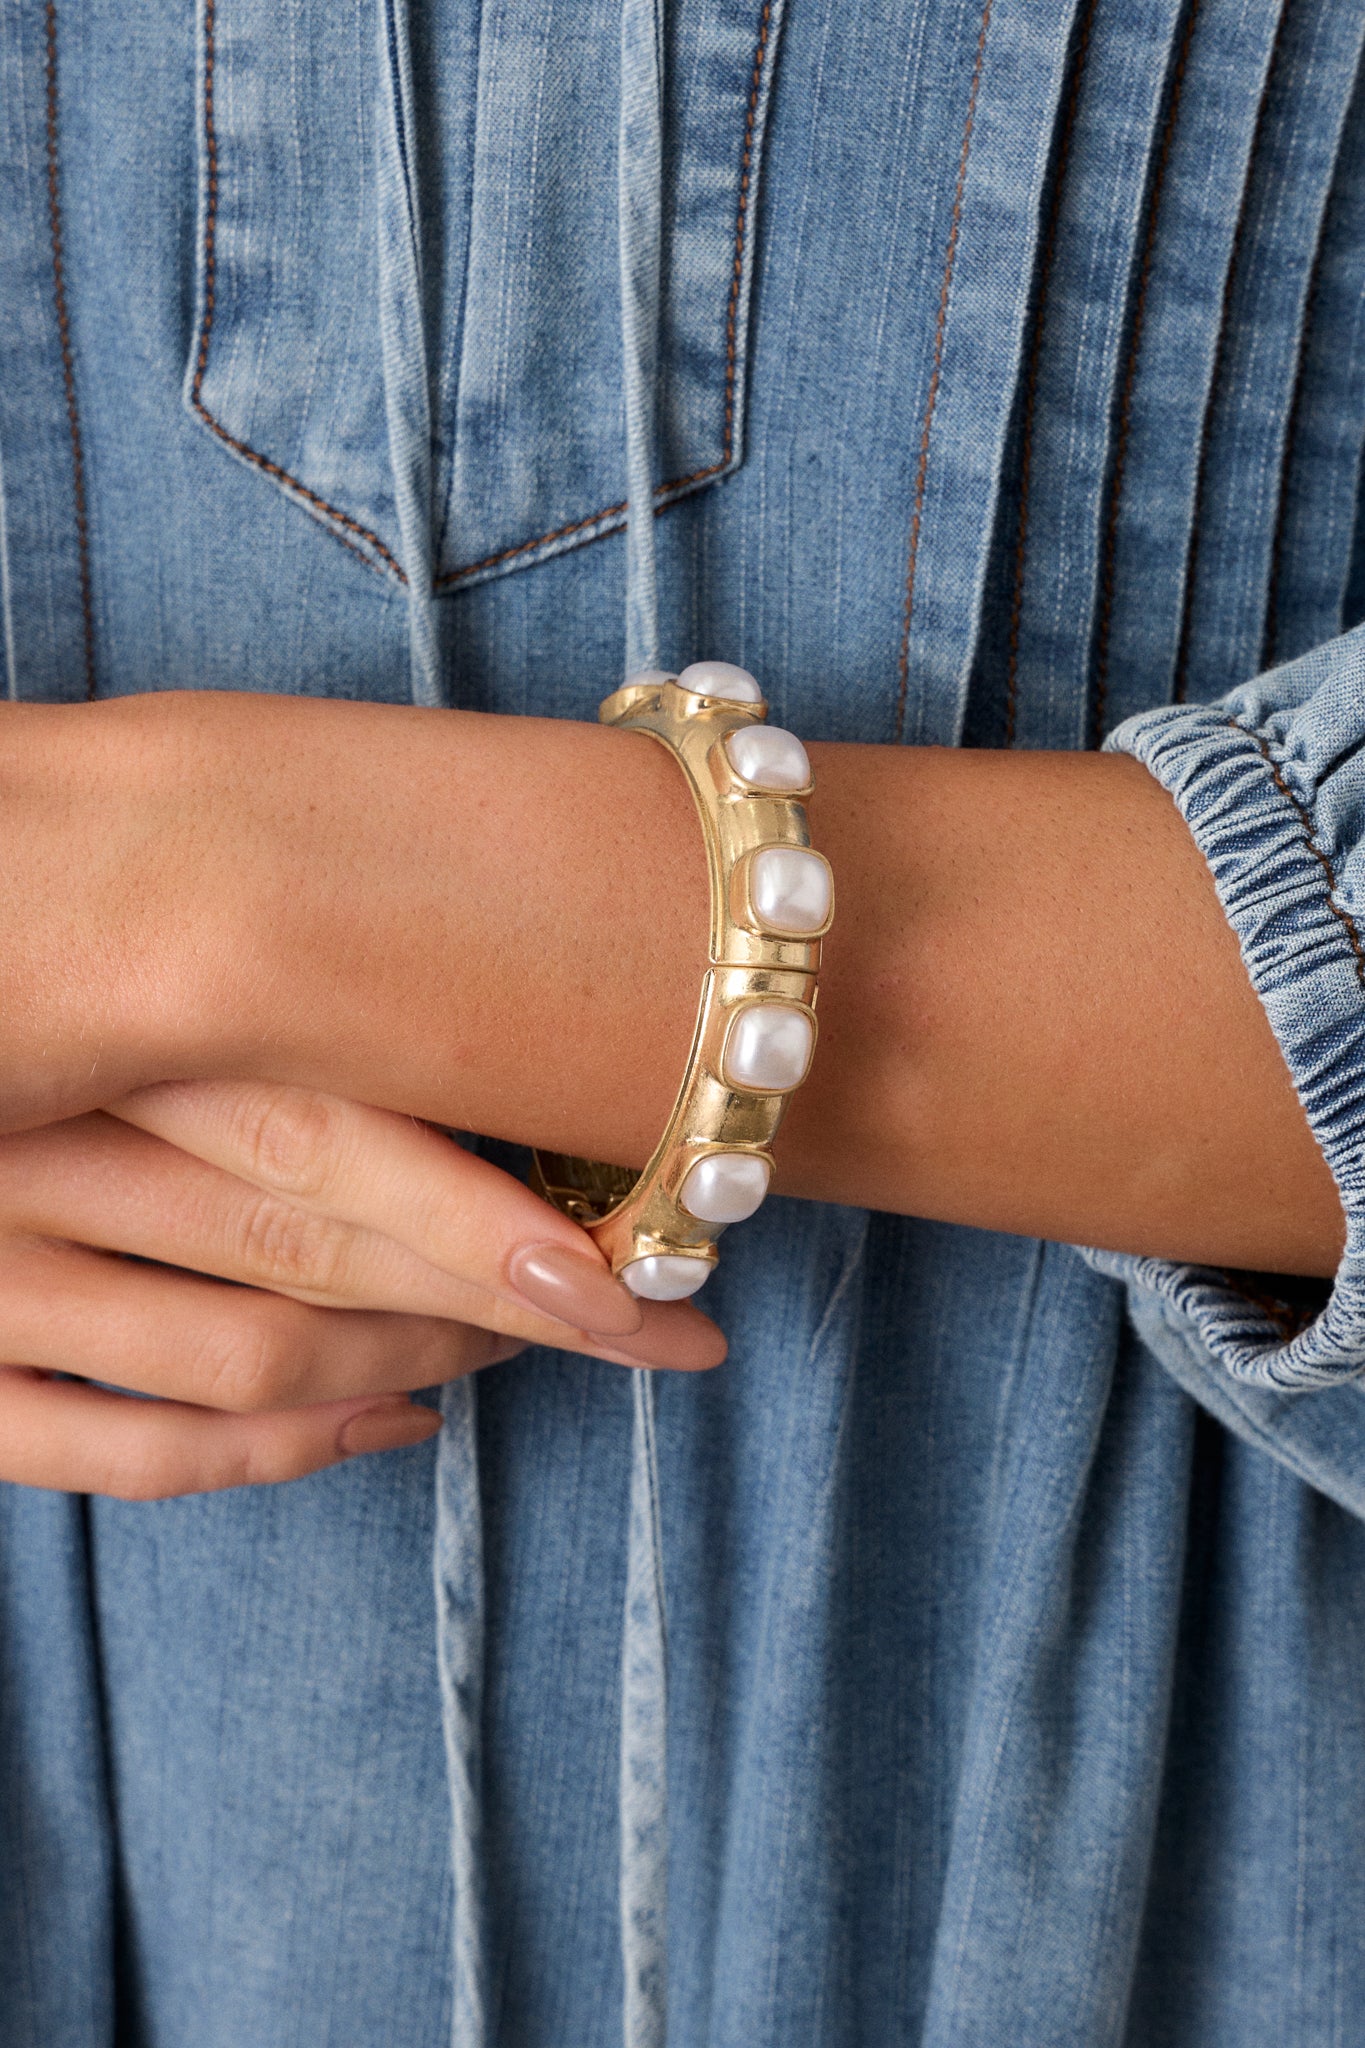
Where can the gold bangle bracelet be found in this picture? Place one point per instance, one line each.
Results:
(772, 901)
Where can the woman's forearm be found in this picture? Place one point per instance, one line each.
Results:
(1037, 1019)
(1033, 1014)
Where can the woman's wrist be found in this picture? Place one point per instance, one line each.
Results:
(493, 922)
(497, 923)
(90, 987)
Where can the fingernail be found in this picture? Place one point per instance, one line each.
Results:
(577, 1290)
(387, 1428)
(689, 1342)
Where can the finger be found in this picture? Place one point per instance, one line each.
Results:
(403, 1181)
(79, 1439)
(97, 1180)
(64, 1308)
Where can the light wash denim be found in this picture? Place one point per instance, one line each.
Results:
(978, 1658)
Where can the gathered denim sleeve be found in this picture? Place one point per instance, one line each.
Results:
(1271, 781)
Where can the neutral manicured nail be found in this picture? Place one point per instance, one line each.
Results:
(387, 1428)
(685, 1343)
(580, 1291)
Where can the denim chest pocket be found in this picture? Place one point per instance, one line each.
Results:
(513, 164)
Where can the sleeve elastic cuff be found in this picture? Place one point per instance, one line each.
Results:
(1279, 889)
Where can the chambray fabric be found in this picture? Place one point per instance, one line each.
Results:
(997, 368)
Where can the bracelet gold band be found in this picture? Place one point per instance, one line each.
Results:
(772, 901)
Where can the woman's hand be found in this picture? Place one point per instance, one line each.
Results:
(373, 1257)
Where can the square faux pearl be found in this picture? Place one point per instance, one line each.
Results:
(769, 757)
(725, 1187)
(666, 1276)
(721, 679)
(790, 890)
(767, 1048)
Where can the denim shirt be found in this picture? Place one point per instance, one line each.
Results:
(997, 371)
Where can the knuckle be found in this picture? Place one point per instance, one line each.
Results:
(243, 1451)
(248, 1364)
(289, 1139)
(293, 1248)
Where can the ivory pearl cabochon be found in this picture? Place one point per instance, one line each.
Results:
(789, 888)
(721, 679)
(770, 758)
(725, 1187)
(667, 1276)
(768, 1047)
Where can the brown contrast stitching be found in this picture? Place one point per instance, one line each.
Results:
(741, 226)
(1035, 364)
(698, 476)
(319, 504)
(576, 526)
(524, 546)
(936, 370)
(54, 213)
(1338, 910)
(249, 454)
(1182, 659)
(1111, 532)
(1270, 633)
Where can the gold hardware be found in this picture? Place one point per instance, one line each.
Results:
(633, 1216)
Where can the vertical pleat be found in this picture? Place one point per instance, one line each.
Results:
(57, 1835)
(777, 1873)
(1181, 485)
(1056, 1794)
(1185, 266)
(1014, 55)
(44, 569)
(640, 212)
(1117, 93)
(1238, 506)
(1312, 548)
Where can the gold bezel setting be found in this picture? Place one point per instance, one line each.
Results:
(746, 912)
(752, 962)
(736, 1011)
